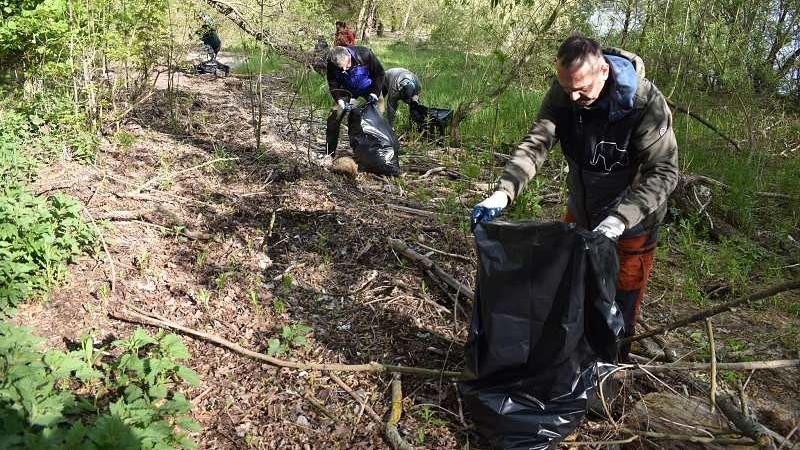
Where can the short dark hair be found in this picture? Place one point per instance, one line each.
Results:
(576, 49)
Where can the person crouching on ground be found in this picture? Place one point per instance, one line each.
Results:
(399, 84)
(615, 130)
(352, 72)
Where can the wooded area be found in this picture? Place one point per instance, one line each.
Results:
(142, 197)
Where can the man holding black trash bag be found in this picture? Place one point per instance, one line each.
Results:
(615, 130)
(352, 72)
(399, 84)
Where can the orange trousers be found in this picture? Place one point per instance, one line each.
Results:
(636, 254)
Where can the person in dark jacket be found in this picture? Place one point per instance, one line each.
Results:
(208, 34)
(399, 84)
(352, 72)
(615, 130)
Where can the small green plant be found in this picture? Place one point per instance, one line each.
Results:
(286, 282)
(203, 296)
(221, 281)
(201, 258)
(37, 238)
(142, 262)
(254, 301)
(165, 181)
(104, 292)
(226, 163)
(428, 419)
(528, 204)
(292, 336)
(278, 306)
(124, 140)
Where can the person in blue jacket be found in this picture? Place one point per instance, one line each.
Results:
(352, 72)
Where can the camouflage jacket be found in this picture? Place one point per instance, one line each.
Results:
(621, 151)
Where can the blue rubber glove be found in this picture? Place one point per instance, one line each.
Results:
(489, 209)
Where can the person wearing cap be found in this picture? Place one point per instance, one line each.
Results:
(399, 84)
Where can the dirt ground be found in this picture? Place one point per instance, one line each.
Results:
(257, 241)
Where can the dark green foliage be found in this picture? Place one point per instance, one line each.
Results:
(85, 400)
(37, 238)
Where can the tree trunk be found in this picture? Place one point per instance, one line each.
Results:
(363, 14)
(372, 19)
(626, 26)
(407, 16)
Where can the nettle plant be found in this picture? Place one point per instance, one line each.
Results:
(84, 399)
(37, 238)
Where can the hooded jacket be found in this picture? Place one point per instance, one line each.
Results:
(621, 151)
(364, 77)
(395, 80)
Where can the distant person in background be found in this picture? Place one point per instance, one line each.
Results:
(352, 72)
(208, 34)
(399, 84)
(344, 35)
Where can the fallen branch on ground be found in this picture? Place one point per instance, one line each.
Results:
(712, 375)
(147, 218)
(746, 425)
(427, 264)
(371, 412)
(750, 365)
(133, 314)
(727, 306)
(688, 438)
(397, 441)
(415, 211)
(452, 255)
(693, 179)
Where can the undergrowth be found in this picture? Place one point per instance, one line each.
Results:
(90, 398)
(83, 399)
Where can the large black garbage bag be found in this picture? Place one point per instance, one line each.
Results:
(544, 314)
(430, 121)
(375, 146)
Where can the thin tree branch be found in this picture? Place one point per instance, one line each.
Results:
(427, 264)
(762, 294)
(705, 122)
(131, 313)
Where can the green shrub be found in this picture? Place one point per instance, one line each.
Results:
(85, 400)
(37, 238)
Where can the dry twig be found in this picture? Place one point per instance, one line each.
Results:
(727, 306)
(712, 392)
(427, 264)
(392, 435)
(133, 314)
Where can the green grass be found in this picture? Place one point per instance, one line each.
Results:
(270, 62)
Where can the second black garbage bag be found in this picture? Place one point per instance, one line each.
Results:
(375, 146)
(544, 315)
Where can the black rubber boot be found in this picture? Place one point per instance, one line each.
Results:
(332, 131)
